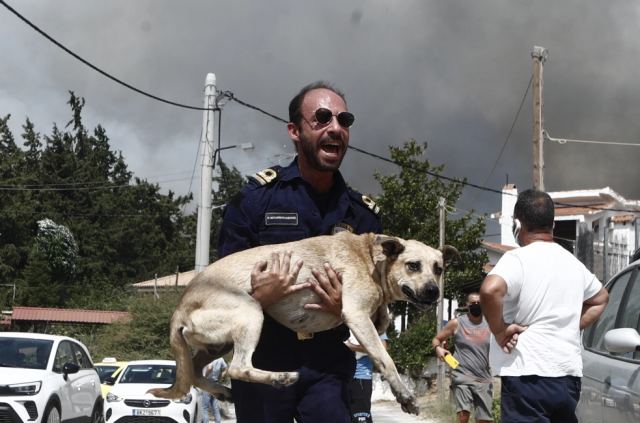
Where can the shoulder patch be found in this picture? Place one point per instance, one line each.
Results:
(371, 204)
(266, 176)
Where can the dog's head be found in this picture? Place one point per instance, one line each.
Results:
(413, 270)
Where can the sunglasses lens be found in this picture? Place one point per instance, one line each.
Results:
(323, 116)
(346, 119)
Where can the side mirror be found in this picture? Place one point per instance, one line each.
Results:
(622, 340)
(69, 368)
(110, 381)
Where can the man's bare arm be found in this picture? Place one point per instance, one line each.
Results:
(492, 293)
(440, 340)
(593, 308)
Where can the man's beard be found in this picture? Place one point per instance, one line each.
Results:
(312, 153)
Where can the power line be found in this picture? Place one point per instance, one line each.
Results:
(436, 175)
(231, 96)
(73, 186)
(566, 140)
(515, 119)
(94, 67)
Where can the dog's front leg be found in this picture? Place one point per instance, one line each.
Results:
(367, 335)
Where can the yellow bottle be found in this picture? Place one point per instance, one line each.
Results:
(452, 362)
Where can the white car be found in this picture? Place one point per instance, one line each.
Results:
(128, 401)
(47, 378)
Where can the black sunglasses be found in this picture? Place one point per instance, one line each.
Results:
(324, 116)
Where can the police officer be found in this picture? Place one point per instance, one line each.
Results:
(307, 198)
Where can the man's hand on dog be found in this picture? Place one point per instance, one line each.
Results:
(270, 284)
(328, 286)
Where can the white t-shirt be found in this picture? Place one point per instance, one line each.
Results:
(546, 286)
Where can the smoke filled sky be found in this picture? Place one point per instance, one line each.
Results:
(449, 73)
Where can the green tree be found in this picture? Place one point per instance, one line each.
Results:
(409, 203)
(126, 230)
(145, 334)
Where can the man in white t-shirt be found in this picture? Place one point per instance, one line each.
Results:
(536, 300)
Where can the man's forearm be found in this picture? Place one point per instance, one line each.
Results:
(593, 308)
(492, 292)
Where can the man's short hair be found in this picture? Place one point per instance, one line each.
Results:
(535, 210)
(295, 114)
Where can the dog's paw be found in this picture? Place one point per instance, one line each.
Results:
(282, 379)
(409, 405)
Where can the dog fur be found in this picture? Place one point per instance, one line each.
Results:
(217, 312)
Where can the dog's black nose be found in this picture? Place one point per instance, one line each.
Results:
(429, 294)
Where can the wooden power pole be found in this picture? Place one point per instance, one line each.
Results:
(440, 310)
(539, 55)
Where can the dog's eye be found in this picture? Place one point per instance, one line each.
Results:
(437, 270)
(414, 266)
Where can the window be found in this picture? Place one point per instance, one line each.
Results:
(63, 355)
(608, 318)
(630, 317)
(81, 357)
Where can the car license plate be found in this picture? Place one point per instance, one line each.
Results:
(138, 412)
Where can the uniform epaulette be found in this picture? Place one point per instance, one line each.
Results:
(266, 176)
(371, 204)
(365, 201)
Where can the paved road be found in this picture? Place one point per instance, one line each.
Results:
(382, 412)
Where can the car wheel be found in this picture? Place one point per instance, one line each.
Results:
(51, 414)
(96, 414)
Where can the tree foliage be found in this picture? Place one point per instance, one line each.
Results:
(125, 229)
(144, 335)
(409, 203)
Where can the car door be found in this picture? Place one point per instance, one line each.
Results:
(87, 382)
(70, 387)
(610, 384)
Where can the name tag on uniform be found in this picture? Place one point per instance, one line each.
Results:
(281, 219)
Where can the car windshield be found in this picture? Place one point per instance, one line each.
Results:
(105, 371)
(149, 373)
(25, 353)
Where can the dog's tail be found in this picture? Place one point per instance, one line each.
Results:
(184, 363)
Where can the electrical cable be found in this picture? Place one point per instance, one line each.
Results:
(92, 66)
(515, 119)
(231, 96)
(433, 174)
(563, 141)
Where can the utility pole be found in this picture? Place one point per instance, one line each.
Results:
(206, 175)
(539, 56)
(440, 313)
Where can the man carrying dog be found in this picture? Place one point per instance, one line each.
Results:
(536, 300)
(307, 198)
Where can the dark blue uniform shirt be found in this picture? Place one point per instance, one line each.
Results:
(279, 206)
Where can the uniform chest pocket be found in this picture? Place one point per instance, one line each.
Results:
(278, 235)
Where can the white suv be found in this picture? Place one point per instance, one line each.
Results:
(47, 378)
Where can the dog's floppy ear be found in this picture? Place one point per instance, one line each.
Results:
(391, 246)
(450, 255)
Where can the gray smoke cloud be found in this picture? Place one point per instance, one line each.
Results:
(450, 73)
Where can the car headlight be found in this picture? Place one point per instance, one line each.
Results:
(28, 388)
(185, 400)
(113, 398)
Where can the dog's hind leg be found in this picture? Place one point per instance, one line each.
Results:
(201, 359)
(246, 334)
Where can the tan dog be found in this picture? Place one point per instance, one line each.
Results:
(217, 312)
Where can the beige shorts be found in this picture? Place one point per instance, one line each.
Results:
(474, 396)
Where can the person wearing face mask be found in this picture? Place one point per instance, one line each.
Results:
(471, 380)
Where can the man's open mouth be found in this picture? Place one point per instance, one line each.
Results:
(331, 148)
